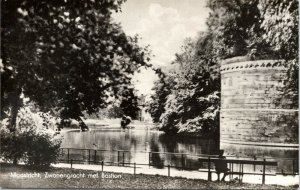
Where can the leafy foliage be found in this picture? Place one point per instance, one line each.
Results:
(114, 112)
(34, 147)
(129, 104)
(67, 54)
(281, 32)
(235, 24)
(269, 28)
(260, 29)
(162, 89)
(190, 101)
(280, 24)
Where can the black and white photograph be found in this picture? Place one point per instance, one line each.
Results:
(149, 94)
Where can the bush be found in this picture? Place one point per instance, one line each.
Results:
(31, 147)
(29, 144)
(11, 145)
(42, 150)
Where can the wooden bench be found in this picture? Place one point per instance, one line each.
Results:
(241, 164)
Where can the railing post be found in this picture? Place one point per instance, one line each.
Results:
(102, 164)
(149, 159)
(89, 155)
(118, 157)
(209, 172)
(231, 169)
(71, 163)
(95, 156)
(168, 170)
(264, 172)
(293, 167)
(134, 168)
(68, 155)
(241, 172)
(123, 158)
(182, 162)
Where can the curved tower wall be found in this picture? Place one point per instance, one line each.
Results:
(253, 109)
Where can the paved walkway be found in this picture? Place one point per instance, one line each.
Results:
(254, 179)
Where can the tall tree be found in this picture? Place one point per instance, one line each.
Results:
(162, 88)
(257, 29)
(237, 31)
(65, 54)
(281, 27)
(231, 22)
(280, 23)
(129, 103)
(191, 95)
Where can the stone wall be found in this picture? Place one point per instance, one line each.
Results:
(254, 109)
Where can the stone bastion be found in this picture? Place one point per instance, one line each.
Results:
(254, 110)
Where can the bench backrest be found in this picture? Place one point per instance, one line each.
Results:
(235, 161)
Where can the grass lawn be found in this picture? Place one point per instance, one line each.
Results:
(94, 179)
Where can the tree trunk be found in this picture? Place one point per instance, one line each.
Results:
(15, 161)
(14, 110)
(82, 125)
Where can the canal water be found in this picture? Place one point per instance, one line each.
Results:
(134, 145)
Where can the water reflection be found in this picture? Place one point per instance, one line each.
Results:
(137, 140)
(140, 142)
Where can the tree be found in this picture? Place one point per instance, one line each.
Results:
(280, 24)
(162, 88)
(271, 27)
(129, 103)
(281, 32)
(237, 31)
(235, 28)
(191, 104)
(232, 23)
(114, 111)
(258, 30)
(67, 55)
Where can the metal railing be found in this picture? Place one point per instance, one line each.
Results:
(122, 158)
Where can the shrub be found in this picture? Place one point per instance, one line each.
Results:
(31, 143)
(11, 145)
(31, 147)
(41, 149)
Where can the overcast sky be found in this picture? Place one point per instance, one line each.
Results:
(163, 24)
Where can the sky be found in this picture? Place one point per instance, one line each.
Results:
(164, 25)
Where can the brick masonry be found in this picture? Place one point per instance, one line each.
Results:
(253, 105)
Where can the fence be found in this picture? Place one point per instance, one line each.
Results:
(255, 166)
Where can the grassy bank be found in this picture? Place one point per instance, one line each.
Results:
(92, 179)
